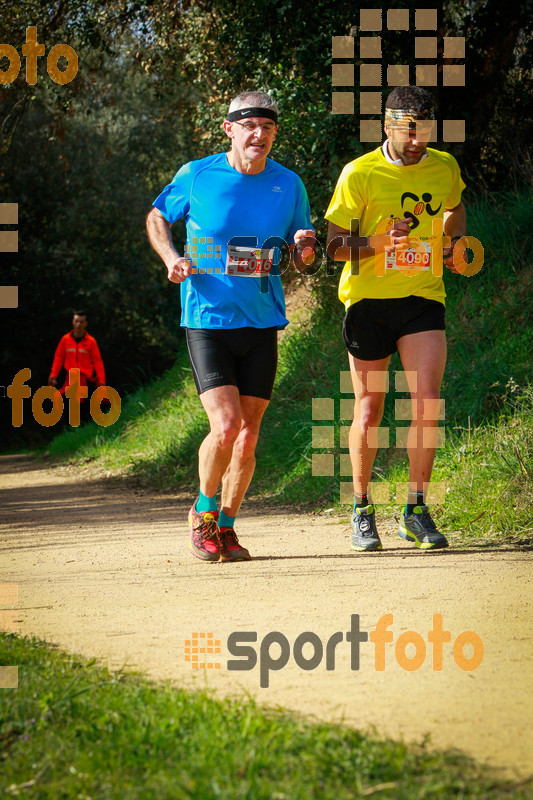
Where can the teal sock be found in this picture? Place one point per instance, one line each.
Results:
(224, 521)
(205, 503)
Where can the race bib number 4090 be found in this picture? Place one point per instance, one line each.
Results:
(248, 263)
(409, 259)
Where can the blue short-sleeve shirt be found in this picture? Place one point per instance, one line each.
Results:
(223, 207)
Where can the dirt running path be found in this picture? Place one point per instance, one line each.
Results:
(105, 571)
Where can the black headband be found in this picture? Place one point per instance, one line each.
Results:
(243, 113)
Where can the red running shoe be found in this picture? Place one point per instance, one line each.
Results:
(230, 549)
(204, 542)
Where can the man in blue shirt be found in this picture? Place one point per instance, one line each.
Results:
(240, 209)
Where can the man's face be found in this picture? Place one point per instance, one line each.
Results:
(252, 138)
(408, 143)
(79, 324)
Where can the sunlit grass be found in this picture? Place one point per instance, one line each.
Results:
(74, 730)
(490, 329)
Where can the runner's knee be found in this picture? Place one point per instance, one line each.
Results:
(370, 411)
(427, 405)
(225, 431)
(247, 441)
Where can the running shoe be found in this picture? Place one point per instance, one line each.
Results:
(204, 542)
(230, 549)
(364, 531)
(419, 528)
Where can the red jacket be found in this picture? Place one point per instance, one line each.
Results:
(84, 355)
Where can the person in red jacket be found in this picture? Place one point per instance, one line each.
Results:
(78, 349)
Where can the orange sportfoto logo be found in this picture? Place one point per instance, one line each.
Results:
(32, 50)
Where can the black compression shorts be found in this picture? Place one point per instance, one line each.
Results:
(242, 357)
(371, 327)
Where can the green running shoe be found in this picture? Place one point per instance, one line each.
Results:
(364, 531)
(419, 528)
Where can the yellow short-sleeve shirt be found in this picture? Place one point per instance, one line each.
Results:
(370, 194)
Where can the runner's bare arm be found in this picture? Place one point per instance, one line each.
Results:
(158, 230)
(455, 227)
(455, 221)
(343, 246)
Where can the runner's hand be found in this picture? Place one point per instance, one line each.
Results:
(447, 256)
(179, 269)
(305, 245)
(399, 233)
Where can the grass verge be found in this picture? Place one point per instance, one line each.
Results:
(489, 405)
(72, 729)
(482, 478)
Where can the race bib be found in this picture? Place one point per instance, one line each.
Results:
(415, 260)
(247, 262)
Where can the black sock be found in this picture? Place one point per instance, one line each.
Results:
(361, 503)
(419, 502)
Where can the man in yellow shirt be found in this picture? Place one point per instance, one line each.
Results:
(387, 218)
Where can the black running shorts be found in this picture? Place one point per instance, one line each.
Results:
(242, 357)
(371, 328)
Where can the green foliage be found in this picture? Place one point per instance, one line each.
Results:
(489, 331)
(97, 162)
(282, 47)
(285, 47)
(486, 469)
(490, 475)
(156, 437)
(158, 434)
(497, 95)
(75, 730)
(151, 91)
(489, 315)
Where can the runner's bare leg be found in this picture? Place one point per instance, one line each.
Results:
(223, 408)
(423, 357)
(368, 380)
(227, 454)
(241, 468)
